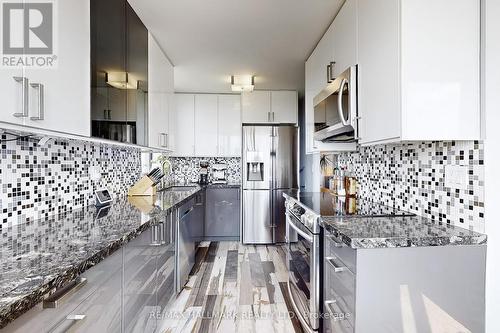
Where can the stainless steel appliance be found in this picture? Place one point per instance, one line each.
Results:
(336, 111)
(303, 257)
(305, 249)
(270, 156)
(219, 173)
(186, 248)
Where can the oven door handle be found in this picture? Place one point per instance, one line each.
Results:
(309, 238)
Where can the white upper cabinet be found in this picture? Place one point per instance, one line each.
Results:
(256, 107)
(206, 125)
(284, 107)
(229, 119)
(268, 107)
(419, 70)
(184, 124)
(345, 38)
(160, 96)
(337, 48)
(57, 95)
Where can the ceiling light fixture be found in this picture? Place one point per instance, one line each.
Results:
(121, 80)
(241, 83)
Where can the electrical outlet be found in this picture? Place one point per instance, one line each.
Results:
(456, 176)
(95, 173)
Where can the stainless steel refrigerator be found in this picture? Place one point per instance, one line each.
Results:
(270, 167)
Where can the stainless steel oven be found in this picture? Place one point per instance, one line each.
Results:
(336, 111)
(304, 264)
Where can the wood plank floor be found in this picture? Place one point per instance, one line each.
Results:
(234, 288)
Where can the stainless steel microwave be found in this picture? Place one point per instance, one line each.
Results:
(336, 110)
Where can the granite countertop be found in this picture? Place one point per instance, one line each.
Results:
(408, 231)
(39, 256)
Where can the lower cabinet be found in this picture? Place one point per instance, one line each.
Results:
(126, 292)
(222, 220)
(379, 290)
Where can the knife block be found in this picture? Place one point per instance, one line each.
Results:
(143, 187)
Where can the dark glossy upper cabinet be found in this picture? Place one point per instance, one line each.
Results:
(119, 52)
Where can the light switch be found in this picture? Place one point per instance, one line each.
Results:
(456, 176)
(95, 173)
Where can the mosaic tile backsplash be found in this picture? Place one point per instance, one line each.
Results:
(188, 168)
(412, 177)
(40, 181)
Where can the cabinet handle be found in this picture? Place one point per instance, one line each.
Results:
(24, 96)
(163, 140)
(339, 103)
(336, 268)
(269, 117)
(76, 319)
(335, 315)
(58, 297)
(41, 101)
(273, 117)
(328, 71)
(335, 242)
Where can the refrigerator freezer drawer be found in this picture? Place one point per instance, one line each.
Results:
(257, 219)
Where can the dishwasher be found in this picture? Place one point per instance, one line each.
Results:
(186, 249)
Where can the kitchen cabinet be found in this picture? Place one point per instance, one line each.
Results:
(256, 107)
(284, 107)
(263, 107)
(222, 213)
(345, 38)
(417, 79)
(184, 123)
(367, 290)
(120, 293)
(229, 126)
(119, 71)
(161, 97)
(56, 93)
(338, 49)
(206, 125)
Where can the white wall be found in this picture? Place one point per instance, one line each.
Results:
(491, 108)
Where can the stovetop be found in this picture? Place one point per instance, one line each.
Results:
(328, 205)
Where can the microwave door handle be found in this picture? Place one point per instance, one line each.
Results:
(339, 103)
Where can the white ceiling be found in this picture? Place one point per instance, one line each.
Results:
(208, 40)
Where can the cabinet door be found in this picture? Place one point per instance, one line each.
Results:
(184, 123)
(229, 125)
(66, 102)
(205, 125)
(108, 59)
(222, 213)
(256, 107)
(160, 91)
(137, 69)
(379, 102)
(284, 107)
(345, 37)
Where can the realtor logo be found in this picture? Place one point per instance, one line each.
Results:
(28, 34)
(27, 28)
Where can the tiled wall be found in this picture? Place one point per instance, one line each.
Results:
(412, 177)
(188, 168)
(40, 181)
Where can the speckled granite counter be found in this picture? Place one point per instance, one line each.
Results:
(409, 231)
(37, 257)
